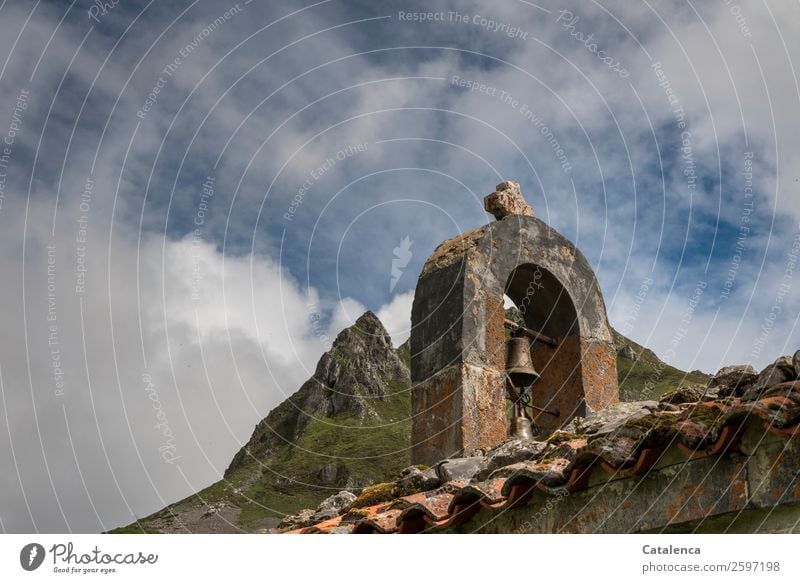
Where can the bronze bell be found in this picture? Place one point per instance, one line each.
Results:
(521, 428)
(519, 365)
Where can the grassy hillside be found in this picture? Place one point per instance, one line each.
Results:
(645, 376)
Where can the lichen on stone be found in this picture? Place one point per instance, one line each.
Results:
(375, 494)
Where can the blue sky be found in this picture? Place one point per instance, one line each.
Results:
(332, 131)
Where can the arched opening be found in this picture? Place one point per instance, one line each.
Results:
(544, 303)
(545, 306)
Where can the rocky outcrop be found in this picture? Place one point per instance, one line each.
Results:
(346, 428)
(733, 380)
(357, 369)
(627, 352)
(462, 468)
(690, 394)
(781, 371)
(304, 517)
(334, 505)
(612, 418)
(417, 479)
(513, 451)
(741, 380)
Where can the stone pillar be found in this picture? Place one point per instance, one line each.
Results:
(457, 365)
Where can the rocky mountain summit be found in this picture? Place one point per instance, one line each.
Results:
(347, 426)
(356, 381)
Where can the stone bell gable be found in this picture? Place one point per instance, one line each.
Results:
(458, 332)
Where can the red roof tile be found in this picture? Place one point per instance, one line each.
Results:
(699, 429)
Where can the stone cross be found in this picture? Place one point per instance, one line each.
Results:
(507, 200)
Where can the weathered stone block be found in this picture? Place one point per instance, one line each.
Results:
(455, 413)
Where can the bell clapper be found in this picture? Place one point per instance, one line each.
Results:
(520, 377)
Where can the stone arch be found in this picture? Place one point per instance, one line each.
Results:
(543, 300)
(457, 335)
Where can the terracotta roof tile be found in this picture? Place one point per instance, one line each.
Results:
(381, 523)
(489, 493)
(549, 472)
(324, 527)
(699, 429)
(434, 508)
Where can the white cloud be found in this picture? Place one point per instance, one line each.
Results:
(396, 317)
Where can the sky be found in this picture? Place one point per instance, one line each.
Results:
(197, 196)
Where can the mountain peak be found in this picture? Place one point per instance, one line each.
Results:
(369, 320)
(357, 367)
(353, 382)
(368, 327)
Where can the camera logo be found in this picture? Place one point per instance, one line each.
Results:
(31, 556)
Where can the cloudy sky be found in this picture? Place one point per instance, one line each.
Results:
(196, 196)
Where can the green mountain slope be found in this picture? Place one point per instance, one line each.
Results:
(643, 376)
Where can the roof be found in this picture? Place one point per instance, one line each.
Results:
(622, 444)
